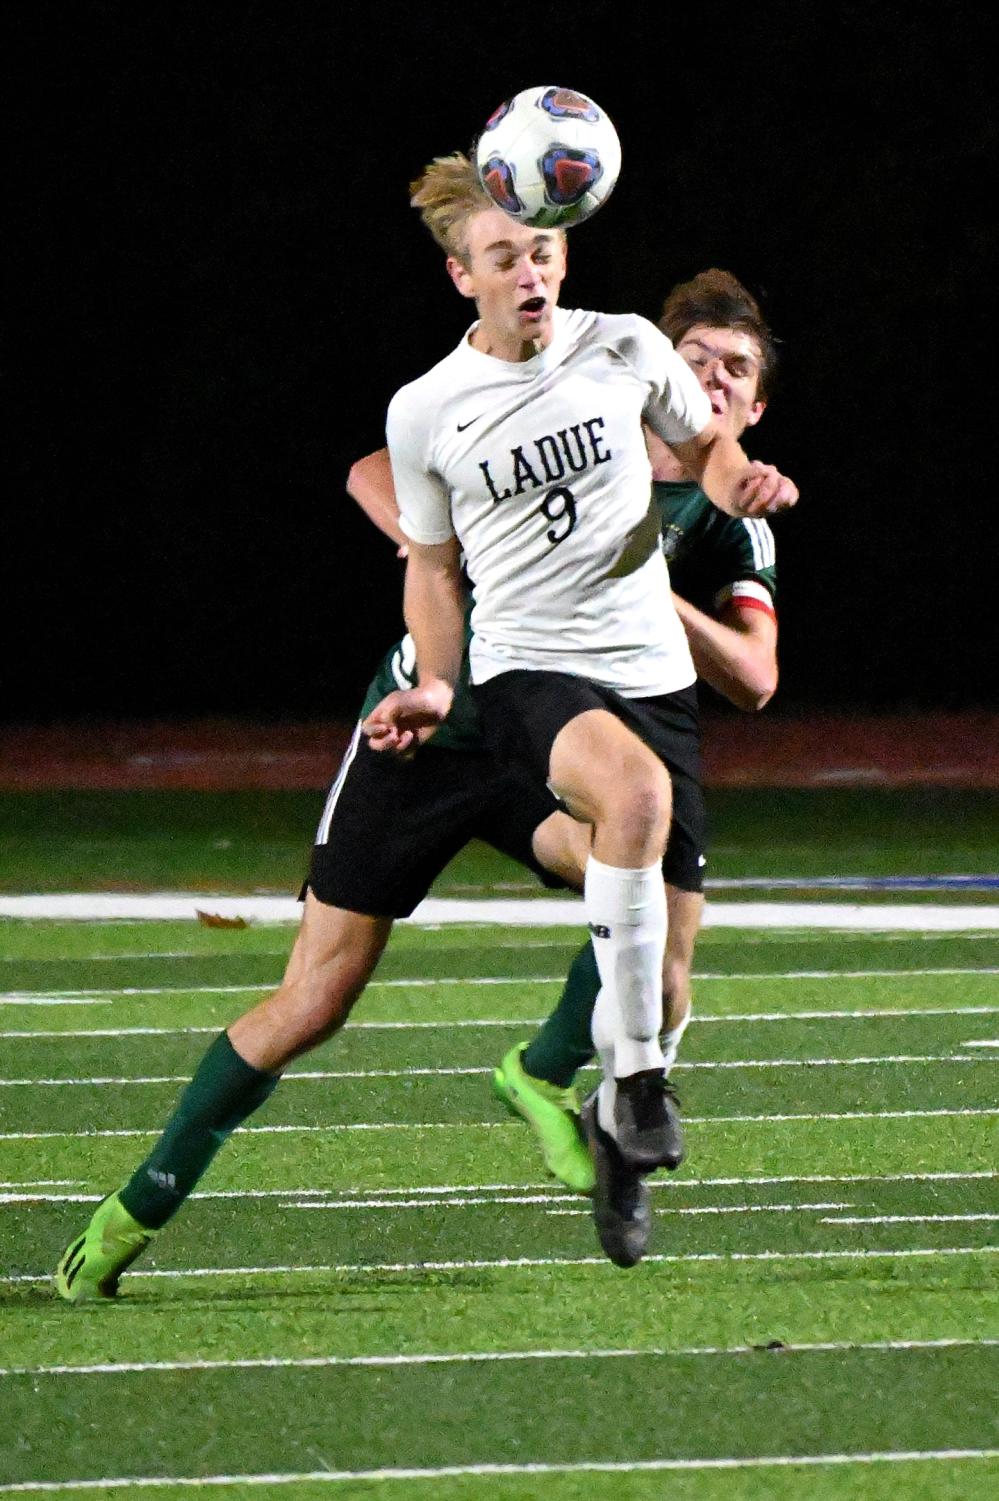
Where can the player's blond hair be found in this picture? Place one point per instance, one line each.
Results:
(447, 193)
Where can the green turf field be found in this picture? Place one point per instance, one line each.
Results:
(378, 1294)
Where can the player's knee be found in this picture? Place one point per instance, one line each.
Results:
(641, 808)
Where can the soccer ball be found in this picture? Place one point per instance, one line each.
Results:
(548, 157)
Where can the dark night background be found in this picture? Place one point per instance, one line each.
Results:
(218, 284)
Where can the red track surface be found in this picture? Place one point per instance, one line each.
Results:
(944, 750)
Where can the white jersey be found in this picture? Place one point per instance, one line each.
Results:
(540, 470)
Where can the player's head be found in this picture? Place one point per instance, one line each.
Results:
(719, 329)
(512, 271)
(448, 194)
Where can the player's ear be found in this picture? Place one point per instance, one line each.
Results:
(460, 275)
(755, 413)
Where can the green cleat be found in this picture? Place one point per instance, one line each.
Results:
(93, 1262)
(553, 1115)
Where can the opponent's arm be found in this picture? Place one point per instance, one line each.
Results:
(370, 484)
(679, 412)
(730, 480)
(434, 606)
(736, 652)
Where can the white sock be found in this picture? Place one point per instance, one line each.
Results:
(626, 911)
(671, 1042)
(603, 1029)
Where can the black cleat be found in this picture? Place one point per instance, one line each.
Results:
(647, 1117)
(621, 1209)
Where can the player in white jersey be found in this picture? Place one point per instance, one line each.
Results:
(547, 479)
(524, 450)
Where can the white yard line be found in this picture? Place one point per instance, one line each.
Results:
(23, 998)
(312, 1075)
(569, 1198)
(81, 997)
(907, 1219)
(500, 1021)
(690, 1120)
(704, 1209)
(542, 912)
(528, 1263)
(488, 1357)
(542, 1191)
(447, 1472)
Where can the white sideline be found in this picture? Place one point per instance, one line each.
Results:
(544, 912)
(448, 1472)
(487, 1357)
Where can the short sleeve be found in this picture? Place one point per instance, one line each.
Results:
(677, 408)
(424, 506)
(746, 564)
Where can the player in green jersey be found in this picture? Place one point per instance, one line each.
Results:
(450, 789)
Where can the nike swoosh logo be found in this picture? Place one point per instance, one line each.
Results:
(463, 425)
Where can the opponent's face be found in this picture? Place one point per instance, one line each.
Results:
(726, 361)
(514, 274)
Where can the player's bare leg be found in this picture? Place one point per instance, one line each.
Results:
(611, 779)
(333, 957)
(686, 909)
(562, 845)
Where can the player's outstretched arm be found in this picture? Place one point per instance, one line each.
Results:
(736, 653)
(434, 603)
(370, 484)
(735, 484)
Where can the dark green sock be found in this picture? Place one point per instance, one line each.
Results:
(224, 1091)
(564, 1044)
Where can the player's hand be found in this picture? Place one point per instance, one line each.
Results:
(406, 718)
(762, 490)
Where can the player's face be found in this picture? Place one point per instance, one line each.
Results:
(726, 361)
(514, 273)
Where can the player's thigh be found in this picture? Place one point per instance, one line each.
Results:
(391, 824)
(571, 733)
(602, 770)
(526, 715)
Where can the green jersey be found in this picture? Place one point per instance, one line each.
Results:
(461, 730)
(713, 559)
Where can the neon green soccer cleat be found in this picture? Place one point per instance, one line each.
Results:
(93, 1262)
(553, 1115)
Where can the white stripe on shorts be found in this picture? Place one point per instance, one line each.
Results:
(323, 831)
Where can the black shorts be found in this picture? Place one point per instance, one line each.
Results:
(522, 712)
(391, 825)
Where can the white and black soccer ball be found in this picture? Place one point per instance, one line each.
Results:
(549, 157)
